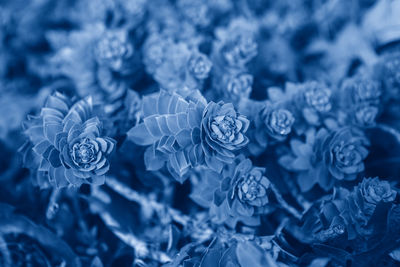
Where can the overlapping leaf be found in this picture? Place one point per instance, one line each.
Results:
(171, 129)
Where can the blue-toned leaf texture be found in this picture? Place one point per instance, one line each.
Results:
(193, 133)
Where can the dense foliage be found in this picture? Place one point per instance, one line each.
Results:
(199, 133)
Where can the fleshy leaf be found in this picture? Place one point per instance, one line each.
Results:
(153, 161)
(140, 135)
(249, 254)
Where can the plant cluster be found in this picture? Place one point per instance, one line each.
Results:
(199, 133)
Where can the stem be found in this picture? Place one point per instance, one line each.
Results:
(132, 195)
(390, 130)
(6, 257)
(53, 206)
(142, 248)
(81, 221)
(284, 204)
(295, 193)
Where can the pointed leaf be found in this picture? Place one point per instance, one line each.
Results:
(42, 147)
(140, 135)
(183, 138)
(51, 130)
(163, 101)
(249, 254)
(172, 122)
(57, 103)
(153, 160)
(153, 127)
(219, 197)
(149, 104)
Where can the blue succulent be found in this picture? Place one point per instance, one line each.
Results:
(222, 132)
(363, 202)
(236, 87)
(279, 123)
(249, 188)
(315, 101)
(344, 152)
(184, 132)
(171, 130)
(244, 130)
(317, 98)
(197, 12)
(326, 157)
(236, 46)
(239, 49)
(390, 75)
(349, 214)
(131, 13)
(226, 252)
(101, 62)
(199, 66)
(360, 101)
(360, 90)
(68, 143)
(175, 64)
(365, 115)
(272, 124)
(243, 194)
(372, 191)
(114, 51)
(311, 103)
(154, 52)
(197, 71)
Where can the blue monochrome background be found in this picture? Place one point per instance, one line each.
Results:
(199, 133)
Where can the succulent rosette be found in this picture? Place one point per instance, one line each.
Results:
(370, 192)
(239, 49)
(199, 66)
(154, 51)
(312, 102)
(67, 142)
(344, 152)
(327, 157)
(197, 70)
(227, 252)
(167, 61)
(365, 115)
(235, 47)
(360, 90)
(196, 11)
(317, 100)
(113, 50)
(349, 214)
(222, 132)
(317, 97)
(237, 86)
(184, 132)
(360, 101)
(249, 188)
(243, 195)
(279, 123)
(171, 131)
(390, 75)
(101, 63)
(271, 124)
